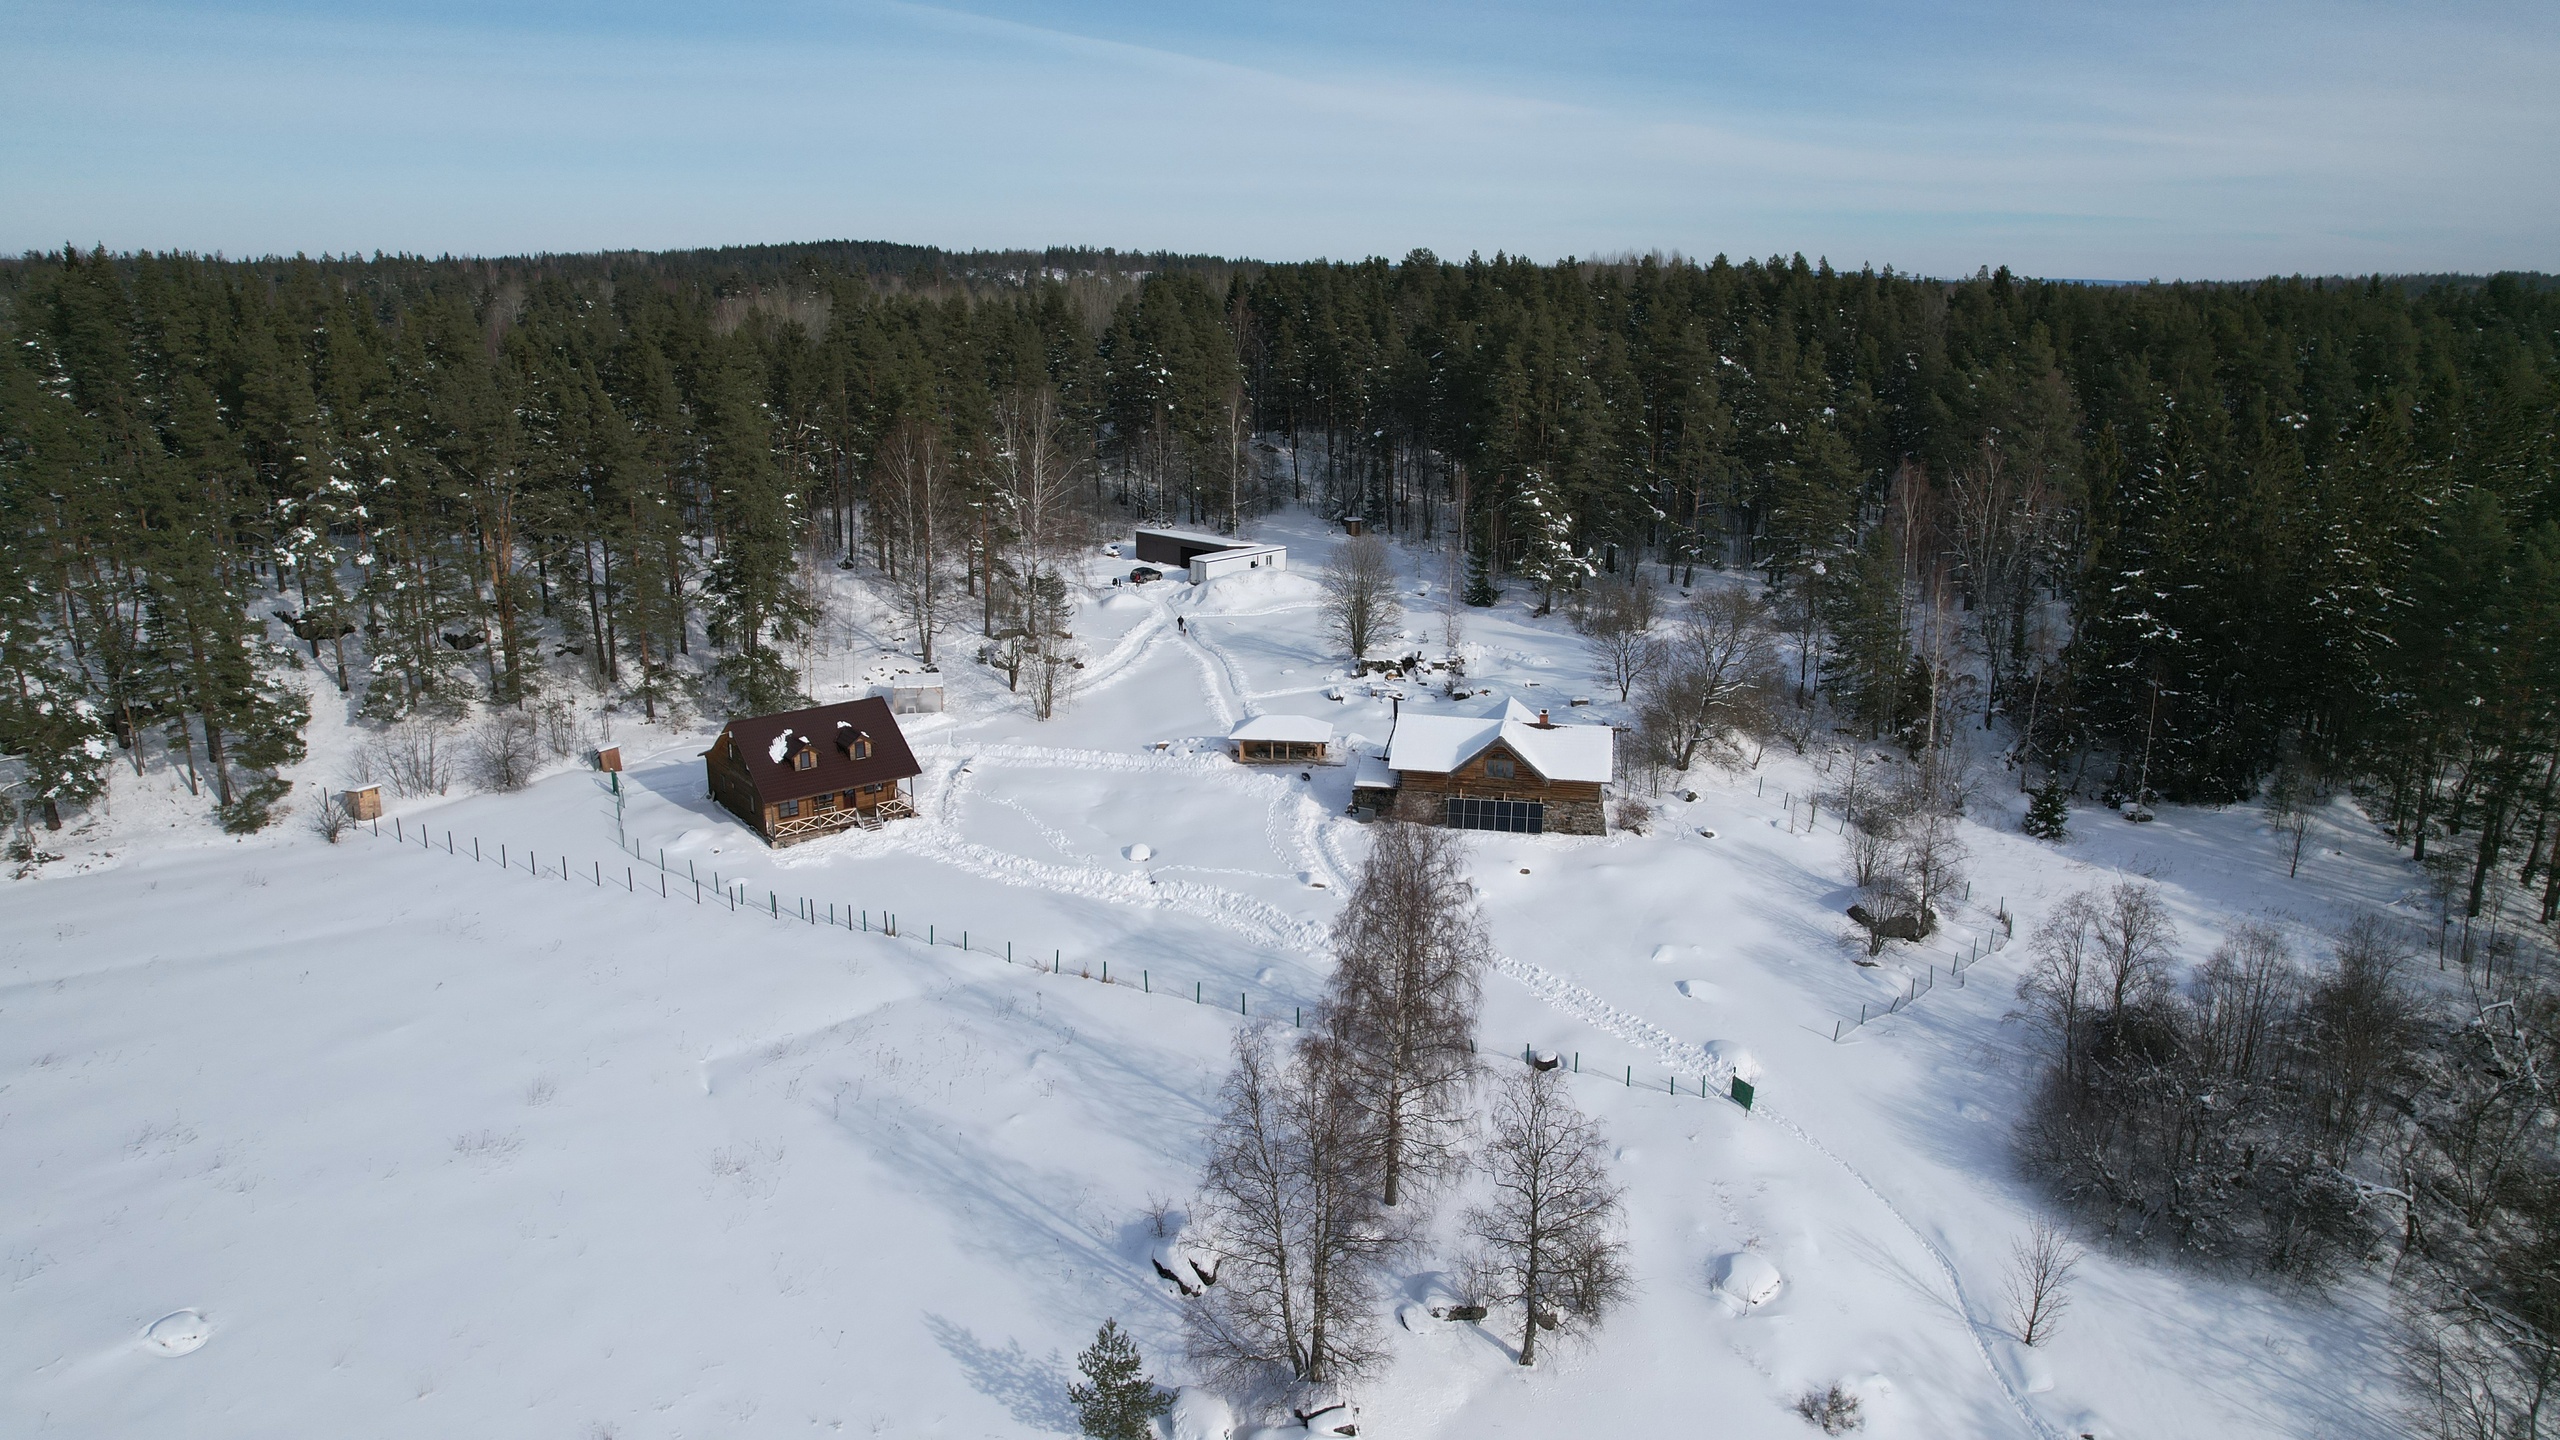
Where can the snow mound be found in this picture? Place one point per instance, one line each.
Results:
(1733, 1059)
(181, 1332)
(1747, 1277)
(2025, 1368)
(1703, 990)
(1670, 954)
(1199, 1414)
(1140, 852)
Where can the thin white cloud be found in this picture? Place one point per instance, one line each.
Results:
(904, 121)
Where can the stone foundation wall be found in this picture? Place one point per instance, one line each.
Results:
(1580, 816)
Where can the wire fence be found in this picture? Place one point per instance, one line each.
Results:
(1920, 985)
(737, 897)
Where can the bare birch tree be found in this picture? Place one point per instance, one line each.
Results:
(1716, 674)
(1617, 630)
(1548, 1241)
(1289, 1202)
(2039, 1282)
(915, 496)
(1410, 953)
(1034, 469)
(1360, 601)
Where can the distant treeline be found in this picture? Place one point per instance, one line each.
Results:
(2189, 533)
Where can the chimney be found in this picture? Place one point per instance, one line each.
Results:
(1542, 721)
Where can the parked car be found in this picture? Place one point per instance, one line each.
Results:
(1145, 573)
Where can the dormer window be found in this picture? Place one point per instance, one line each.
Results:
(1498, 767)
(805, 760)
(860, 749)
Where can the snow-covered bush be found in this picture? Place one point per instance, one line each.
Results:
(503, 751)
(1832, 1410)
(416, 754)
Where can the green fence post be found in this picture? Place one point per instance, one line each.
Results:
(1146, 983)
(1240, 1002)
(1195, 992)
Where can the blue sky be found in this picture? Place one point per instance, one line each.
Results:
(2122, 141)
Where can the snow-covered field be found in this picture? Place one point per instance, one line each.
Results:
(560, 1142)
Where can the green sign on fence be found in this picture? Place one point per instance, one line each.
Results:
(1742, 1092)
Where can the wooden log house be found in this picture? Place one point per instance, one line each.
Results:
(806, 773)
(1513, 771)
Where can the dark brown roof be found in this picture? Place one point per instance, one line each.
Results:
(828, 729)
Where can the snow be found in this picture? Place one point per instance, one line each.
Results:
(431, 1147)
(1725, 1055)
(180, 1332)
(1199, 1414)
(1748, 1278)
(1438, 744)
(1373, 773)
(1295, 729)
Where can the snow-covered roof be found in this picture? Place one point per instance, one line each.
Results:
(1438, 744)
(1289, 729)
(1375, 774)
(1195, 537)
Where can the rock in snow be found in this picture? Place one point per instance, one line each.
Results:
(1748, 1277)
(181, 1332)
(1742, 1063)
(1199, 1414)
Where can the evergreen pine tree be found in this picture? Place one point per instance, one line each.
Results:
(2049, 812)
(1480, 588)
(1117, 1401)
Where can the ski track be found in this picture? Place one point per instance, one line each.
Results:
(1235, 672)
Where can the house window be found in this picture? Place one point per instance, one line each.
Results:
(805, 760)
(786, 809)
(1499, 768)
(861, 747)
(1517, 817)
